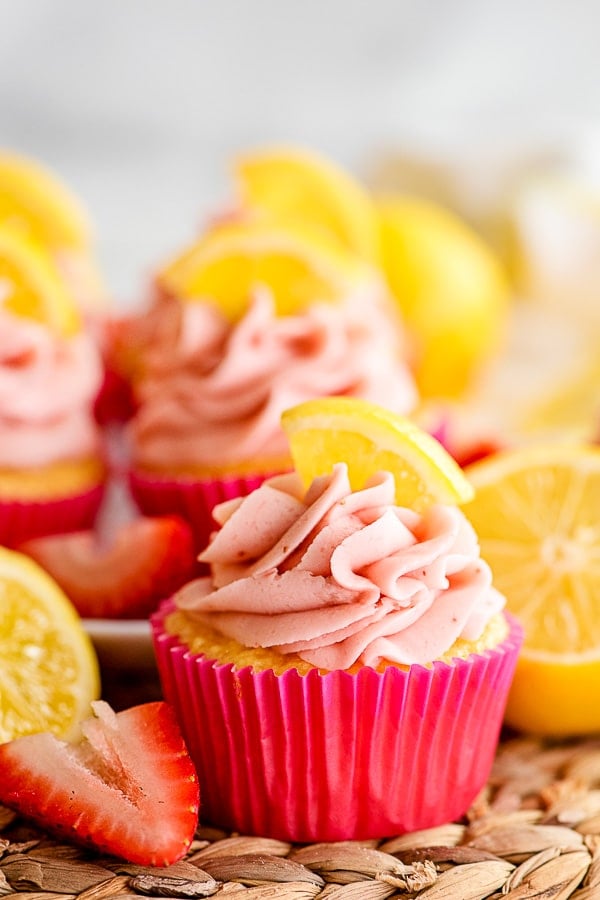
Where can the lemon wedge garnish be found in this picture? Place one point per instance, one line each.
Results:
(30, 285)
(294, 185)
(229, 263)
(370, 438)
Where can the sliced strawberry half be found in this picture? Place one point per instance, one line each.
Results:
(147, 560)
(129, 788)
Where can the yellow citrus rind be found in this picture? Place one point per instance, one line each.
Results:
(451, 289)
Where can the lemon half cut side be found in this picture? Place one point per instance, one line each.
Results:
(48, 668)
(536, 513)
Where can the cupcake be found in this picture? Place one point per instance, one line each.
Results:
(51, 466)
(225, 353)
(342, 672)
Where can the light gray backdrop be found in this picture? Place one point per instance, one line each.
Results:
(139, 104)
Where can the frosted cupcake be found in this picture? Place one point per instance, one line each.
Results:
(342, 672)
(51, 466)
(218, 370)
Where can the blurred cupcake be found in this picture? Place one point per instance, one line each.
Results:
(253, 318)
(51, 470)
(342, 672)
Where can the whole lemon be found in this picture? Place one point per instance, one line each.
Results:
(451, 288)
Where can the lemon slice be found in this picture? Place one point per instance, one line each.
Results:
(30, 285)
(370, 438)
(451, 290)
(48, 668)
(295, 185)
(536, 513)
(33, 198)
(227, 264)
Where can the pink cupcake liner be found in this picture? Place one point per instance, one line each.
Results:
(337, 756)
(192, 500)
(22, 520)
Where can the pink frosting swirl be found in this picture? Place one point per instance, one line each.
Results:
(339, 577)
(213, 392)
(47, 388)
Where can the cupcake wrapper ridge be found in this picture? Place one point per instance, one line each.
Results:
(22, 520)
(337, 756)
(192, 500)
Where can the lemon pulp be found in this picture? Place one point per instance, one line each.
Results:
(48, 668)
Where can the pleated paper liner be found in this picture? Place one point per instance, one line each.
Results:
(22, 520)
(337, 756)
(192, 499)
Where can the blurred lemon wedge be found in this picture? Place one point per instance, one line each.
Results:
(293, 185)
(33, 198)
(30, 285)
(370, 438)
(230, 262)
(451, 290)
(48, 667)
(536, 513)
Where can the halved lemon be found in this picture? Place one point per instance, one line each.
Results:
(30, 285)
(33, 198)
(299, 267)
(451, 290)
(48, 667)
(536, 513)
(294, 185)
(370, 438)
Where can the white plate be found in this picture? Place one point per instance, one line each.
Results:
(122, 643)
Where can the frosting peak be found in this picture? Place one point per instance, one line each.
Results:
(340, 577)
(47, 388)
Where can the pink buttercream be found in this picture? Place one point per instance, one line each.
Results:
(47, 388)
(339, 577)
(212, 392)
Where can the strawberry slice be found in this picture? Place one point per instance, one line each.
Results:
(129, 788)
(147, 560)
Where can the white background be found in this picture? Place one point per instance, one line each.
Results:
(140, 104)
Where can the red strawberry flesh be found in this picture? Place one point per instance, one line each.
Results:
(147, 559)
(129, 788)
